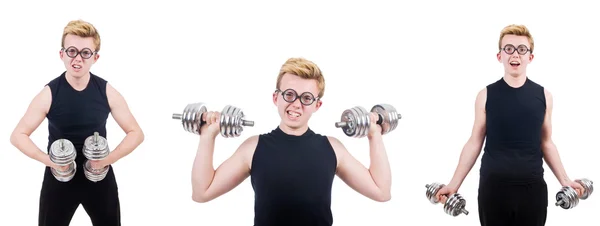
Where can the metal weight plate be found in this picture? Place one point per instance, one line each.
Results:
(349, 118)
(365, 121)
(95, 147)
(390, 117)
(588, 185)
(191, 118)
(62, 152)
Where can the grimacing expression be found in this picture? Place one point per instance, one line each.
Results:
(296, 100)
(78, 55)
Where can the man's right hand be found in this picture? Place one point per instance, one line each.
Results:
(211, 126)
(445, 192)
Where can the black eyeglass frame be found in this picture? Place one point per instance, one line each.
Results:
(296, 96)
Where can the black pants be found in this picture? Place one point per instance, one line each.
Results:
(503, 203)
(60, 200)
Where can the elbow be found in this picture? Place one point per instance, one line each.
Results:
(14, 139)
(199, 198)
(142, 136)
(384, 197)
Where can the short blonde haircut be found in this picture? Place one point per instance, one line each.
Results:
(519, 30)
(305, 69)
(82, 29)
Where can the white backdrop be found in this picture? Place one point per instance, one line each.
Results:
(427, 59)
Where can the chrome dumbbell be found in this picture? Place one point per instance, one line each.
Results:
(62, 152)
(567, 197)
(95, 148)
(455, 204)
(355, 121)
(231, 122)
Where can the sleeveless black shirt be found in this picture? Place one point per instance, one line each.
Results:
(514, 119)
(75, 115)
(292, 177)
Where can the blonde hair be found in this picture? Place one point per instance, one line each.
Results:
(305, 69)
(82, 29)
(514, 29)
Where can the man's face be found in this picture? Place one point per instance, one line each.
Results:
(301, 93)
(78, 55)
(515, 54)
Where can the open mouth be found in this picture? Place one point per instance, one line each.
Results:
(514, 64)
(76, 66)
(293, 114)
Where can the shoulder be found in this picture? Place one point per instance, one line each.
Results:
(248, 146)
(98, 78)
(53, 84)
(339, 150)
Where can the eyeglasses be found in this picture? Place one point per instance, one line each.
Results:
(290, 95)
(521, 49)
(85, 53)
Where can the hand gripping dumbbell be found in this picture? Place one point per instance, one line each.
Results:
(232, 119)
(95, 148)
(567, 197)
(62, 152)
(455, 204)
(355, 121)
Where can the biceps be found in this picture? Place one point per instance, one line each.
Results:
(122, 115)
(228, 175)
(32, 119)
(357, 177)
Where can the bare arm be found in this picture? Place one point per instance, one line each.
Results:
(549, 149)
(472, 148)
(34, 116)
(122, 115)
(375, 182)
(208, 183)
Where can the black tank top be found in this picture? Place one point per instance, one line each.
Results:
(75, 115)
(514, 119)
(292, 177)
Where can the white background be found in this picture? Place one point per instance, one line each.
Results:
(164, 56)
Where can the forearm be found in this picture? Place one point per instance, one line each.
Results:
(131, 141)
(468, 157)
(203, 170)
(379, 165)
(27, 147)
(552, 158)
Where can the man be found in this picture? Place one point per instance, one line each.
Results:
(292, 168)
(514, 116)
(77, 104)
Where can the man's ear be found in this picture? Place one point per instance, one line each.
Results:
(318, 105)
(275, 98)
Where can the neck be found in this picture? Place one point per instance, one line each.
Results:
(293, 131)
(515, 80)
(78, 83)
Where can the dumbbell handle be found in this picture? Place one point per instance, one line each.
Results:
(379, 121)
(244, 122)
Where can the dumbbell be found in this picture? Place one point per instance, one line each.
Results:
(455, 204)
(567, 197)
(95, 148)
(355, 121)
(232, 119)
(62, 152)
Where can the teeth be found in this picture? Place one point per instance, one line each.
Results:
(77, 66)
(514, 63)
(293, 114)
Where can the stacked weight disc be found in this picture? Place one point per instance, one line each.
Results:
(95, 148)
(62, 152)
